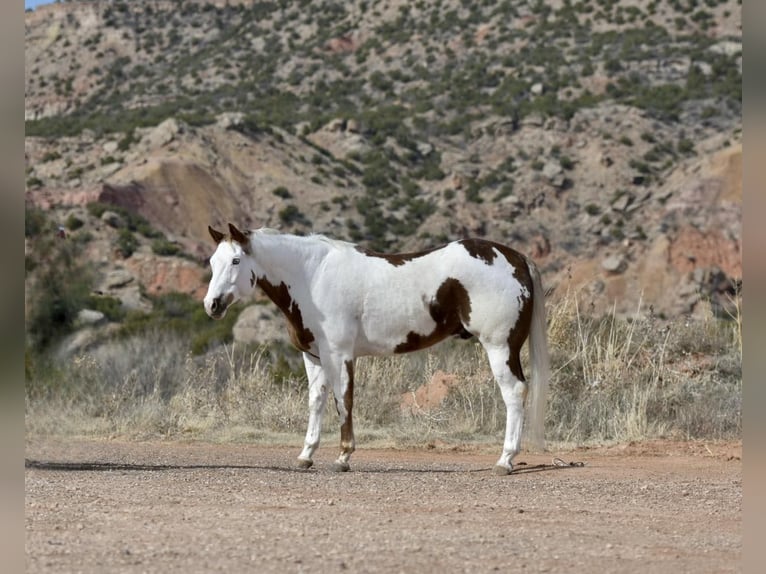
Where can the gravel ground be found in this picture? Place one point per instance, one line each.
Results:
(110, 506)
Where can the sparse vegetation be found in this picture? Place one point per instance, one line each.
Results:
(282, 192)
(292, 215)
(126, 243)
(61, 285)
(164, 247)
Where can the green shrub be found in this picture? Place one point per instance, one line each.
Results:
(34, 181)
(648, 137)
(50, 156)
(505, 190)
(73, 222)
(164, 247)
(566, 162)
(685, 146)
(83, 237)
(35, 221)
(111, 307)
(592, 209)
(126, 243)
(473, 192)
(127, 140)
(640, 166)
(282, 192)
(429, 169)
(292, 215)
(97, 209)
(60, 290)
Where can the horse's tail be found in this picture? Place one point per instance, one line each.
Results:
(540, 364)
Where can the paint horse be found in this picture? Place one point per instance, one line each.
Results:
(342, 301)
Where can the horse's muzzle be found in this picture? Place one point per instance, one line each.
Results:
(218, 306)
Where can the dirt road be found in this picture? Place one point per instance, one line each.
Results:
(108, 506)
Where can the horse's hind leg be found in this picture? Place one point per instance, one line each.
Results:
(506, 367)
(317, 400)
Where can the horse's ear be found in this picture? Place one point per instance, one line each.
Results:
(216, 235)
(240, 237)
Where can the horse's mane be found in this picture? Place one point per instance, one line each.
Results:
(316, 237)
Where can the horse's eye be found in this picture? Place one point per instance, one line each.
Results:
(235, 261)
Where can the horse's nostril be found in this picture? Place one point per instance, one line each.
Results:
(215, 304)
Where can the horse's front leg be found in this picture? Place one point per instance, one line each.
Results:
(317, 401)
(342, 373)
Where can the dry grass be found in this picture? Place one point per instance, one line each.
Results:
(614, 379)
(640, 377)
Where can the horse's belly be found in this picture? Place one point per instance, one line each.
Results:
(398, 332)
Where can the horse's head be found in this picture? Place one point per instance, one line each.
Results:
(233, 274)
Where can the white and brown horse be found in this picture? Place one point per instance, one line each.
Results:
(342, 301)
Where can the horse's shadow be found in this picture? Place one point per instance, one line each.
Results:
(520, 468)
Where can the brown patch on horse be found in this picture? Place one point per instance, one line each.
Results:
(347, 428)
(300, 336)
(485, 250)
(450, 308)
(396, 259)
(520, 330)
(480, 249)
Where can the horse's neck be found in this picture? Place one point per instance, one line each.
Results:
(286, 258)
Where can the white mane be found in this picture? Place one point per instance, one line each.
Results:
(315, 237)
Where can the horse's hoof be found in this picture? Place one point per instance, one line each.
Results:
(502, 470)
(338, 466)
(305, 464)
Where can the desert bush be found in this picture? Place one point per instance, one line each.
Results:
(162, 246)
(291, 215)
(60, 289)
(282, 192)
(35, 221)
(429, 169)
(111, 307)
(127, 140)
(126, 243)
(566, 162)
(73, 222)
(50, 156)
(685, 146)
(34, 181)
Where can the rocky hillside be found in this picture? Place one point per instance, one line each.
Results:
(602, 137)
